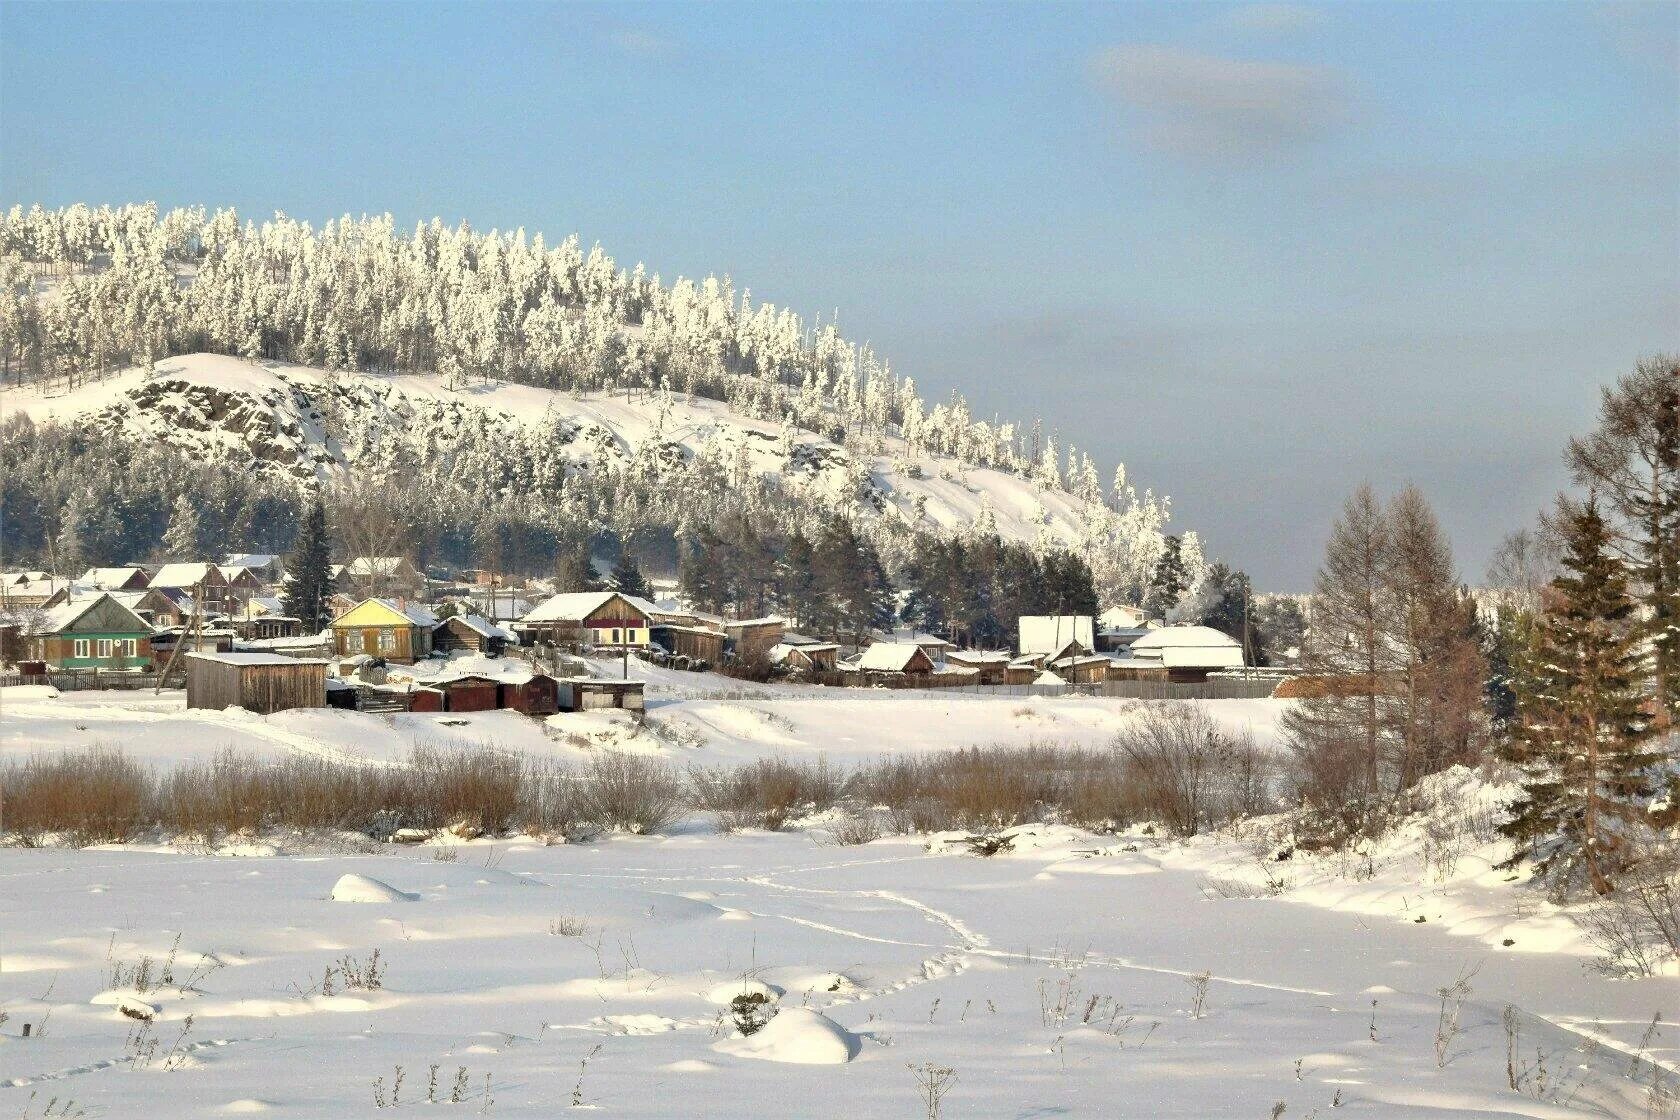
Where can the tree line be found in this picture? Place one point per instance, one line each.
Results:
(1566, 669)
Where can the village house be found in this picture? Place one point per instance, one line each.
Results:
(1185, 654)
(41, 592)
(471, 632)
(264, 617)
(895, 661)
(96, 632)
(384, 628)
(383, 576)
(606, 619)
(129, 578)
(156, 608)
(269, 569)
(799, 653)
(258, 682)
(937, 647)
(204, 582)
(242, 584)
(1050, 633)
(990, 665)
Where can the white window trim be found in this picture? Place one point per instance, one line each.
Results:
(79, 647)
(104, 647)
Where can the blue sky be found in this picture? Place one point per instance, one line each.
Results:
(1259, 252)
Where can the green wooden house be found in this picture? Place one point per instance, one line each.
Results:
(97, 632)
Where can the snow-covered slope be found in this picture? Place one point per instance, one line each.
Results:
(303, 423)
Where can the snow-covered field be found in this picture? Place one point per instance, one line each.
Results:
(1057, 980)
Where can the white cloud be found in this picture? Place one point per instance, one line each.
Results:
(1209, 108)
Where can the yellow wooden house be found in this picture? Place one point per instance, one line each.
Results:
(385, 628)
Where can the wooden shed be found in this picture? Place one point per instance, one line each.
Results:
(583, 694)
(467, 693)
(753, 638)
(257, 682)
(536, 695)
(697, 643)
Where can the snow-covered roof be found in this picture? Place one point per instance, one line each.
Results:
(376, 565)
(782, 650)
(978, 656)
(889, 657)
(575, 606)
(1049, 633)
(255, 658)
(482, 625)
(249, 559)
(767, 620)
(108, 579)
(1048, 678)
(1121, 617)
(414, 612)
(1189, 647)
(65, 614)
(183, 575)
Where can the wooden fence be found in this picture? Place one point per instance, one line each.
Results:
(79, 680)
(1218, 688)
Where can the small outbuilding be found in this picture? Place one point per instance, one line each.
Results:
(990, 665)
(695, 642)
(535, 695)
(258, 682)
(471, 632)
(585, 694)
(1186, 653)
(465, 693)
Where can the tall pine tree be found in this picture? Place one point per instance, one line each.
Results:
(1582, 741)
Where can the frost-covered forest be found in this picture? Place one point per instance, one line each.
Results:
(92, 291)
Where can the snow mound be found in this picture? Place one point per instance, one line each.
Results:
(246, 1105)
(361, 888)
(799, 1036)
(722, 994)
(128, 1004)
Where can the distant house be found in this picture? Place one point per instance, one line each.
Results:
(33, 592)
(262, 617)
(799, 654)
(204, 582)
(990, 665)
(97, 632)
(895, 659)
(937, 647)
(1049, 633)
(242, 584)
(1122, 617)
(1182, 653)
(257, 682)
(753, 638)
(387, 576)
(1080, 667)
(266, 566)
(128, 578)
(595, 618)
(384, 628)
(471, 632)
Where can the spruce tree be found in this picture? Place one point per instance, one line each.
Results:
(181, 539)
(1169, 581)
(309, 581)
(627, 578)
(1582, 741)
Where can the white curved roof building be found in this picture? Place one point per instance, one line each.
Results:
(1189, 647)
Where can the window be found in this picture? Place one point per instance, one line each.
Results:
(387, 639)
(104, 647)
(80, 648)
(131, 647)
(615, 637)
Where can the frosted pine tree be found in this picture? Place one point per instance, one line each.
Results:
(181, 541)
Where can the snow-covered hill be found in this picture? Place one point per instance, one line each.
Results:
(304, 424)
